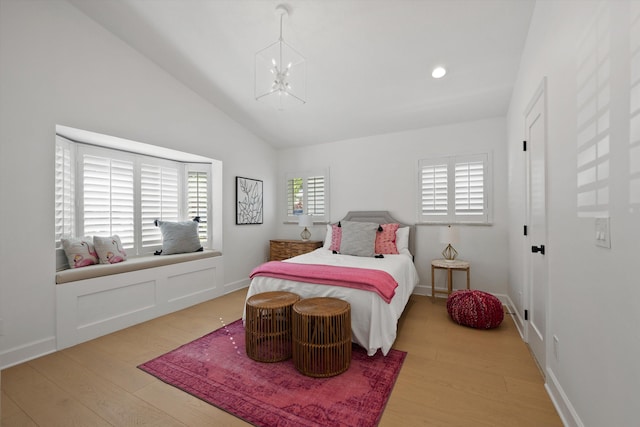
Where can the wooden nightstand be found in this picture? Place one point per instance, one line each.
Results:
(450, 266)
(280, 249)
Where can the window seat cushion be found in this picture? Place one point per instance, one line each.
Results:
(131, 264)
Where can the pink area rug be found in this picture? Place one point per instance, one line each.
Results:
(216, 369)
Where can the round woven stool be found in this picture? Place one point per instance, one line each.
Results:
(321, 336)
(267, 326)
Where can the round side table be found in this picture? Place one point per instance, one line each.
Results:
(450, 266)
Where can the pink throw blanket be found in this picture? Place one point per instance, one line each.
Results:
(366, 279)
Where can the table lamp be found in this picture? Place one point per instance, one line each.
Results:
(305, 221)
(449, 235)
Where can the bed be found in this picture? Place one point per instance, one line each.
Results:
(373, 321)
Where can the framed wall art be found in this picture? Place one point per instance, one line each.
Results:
(248, 201)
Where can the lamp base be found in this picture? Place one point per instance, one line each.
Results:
(305, 235)
(449, 253)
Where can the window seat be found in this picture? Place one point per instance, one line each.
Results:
(97, 300)
(131, 264)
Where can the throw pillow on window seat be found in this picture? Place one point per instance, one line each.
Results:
(80, 252)
(179, 237)
(109, 249)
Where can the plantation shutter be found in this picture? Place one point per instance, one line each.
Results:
(469, 188)
(103, 191)
(159, 199)
(315, 196)
(295, 196)
(197, 203)
(434, 189)
(108, 198)
(64, 190)
(454, 189)
(307, 193)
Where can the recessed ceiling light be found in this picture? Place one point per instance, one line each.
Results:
(438, 72)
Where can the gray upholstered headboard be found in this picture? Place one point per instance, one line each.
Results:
(381, 217)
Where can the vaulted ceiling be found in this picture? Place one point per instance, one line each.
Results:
(369, 62)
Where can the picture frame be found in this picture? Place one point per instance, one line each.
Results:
(249, 203)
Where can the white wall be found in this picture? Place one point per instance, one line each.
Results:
(60, 67)
(380, 173)
(589, 52)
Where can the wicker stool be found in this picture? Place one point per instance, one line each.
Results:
(267, 326)
(321, 336)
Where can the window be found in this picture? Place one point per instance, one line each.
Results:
(307, 193)
(103, 191)
(197, 199)
(454, 189)
(64, 188)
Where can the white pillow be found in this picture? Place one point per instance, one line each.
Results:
(402, 238)
(327, 237)
(80, 252)
(109, 249)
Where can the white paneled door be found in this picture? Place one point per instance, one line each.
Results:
(536, 140)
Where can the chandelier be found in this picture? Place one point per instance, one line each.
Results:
(280, 70)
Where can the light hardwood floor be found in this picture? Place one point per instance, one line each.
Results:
(452, 376)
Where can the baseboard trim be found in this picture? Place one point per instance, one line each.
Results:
(422, 290)
(234, 286)
(565, 409)
(515, 315)
(27, 352)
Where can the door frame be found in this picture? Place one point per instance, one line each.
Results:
(541, 92)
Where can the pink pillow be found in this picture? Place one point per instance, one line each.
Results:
(386, 239)
(80, 252)
(336, 237)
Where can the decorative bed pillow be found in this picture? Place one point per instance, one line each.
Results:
(386, 239)
(358, 238)
(402, 239)
(327, 238)
(80, 252)
(336, 237)
(109, 249)
(179, 237)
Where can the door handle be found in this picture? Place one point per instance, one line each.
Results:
(536, 249)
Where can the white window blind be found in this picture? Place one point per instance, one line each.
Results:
(307, 193)
(107, 198)
(315, 198)
(197, 200)
(109, 191)
(433, 185)
(159, 197)
(64, 190)
(454, 189)
(469, 188)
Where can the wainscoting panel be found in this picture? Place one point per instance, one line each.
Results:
(87, 309)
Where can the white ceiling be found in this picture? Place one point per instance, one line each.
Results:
(369, 62)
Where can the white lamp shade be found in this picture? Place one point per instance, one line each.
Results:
(449, 235)
(305, 220)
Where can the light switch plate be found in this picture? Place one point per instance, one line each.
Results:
(602, 233)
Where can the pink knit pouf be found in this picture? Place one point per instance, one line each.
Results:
(476, 309)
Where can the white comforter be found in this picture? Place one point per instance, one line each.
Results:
(373, 321)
